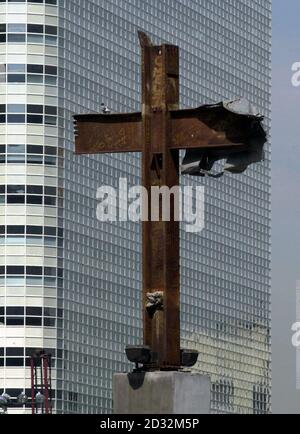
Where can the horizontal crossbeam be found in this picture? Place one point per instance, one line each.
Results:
(101, 134)
(211, 128)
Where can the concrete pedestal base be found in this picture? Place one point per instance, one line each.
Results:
(161, 393)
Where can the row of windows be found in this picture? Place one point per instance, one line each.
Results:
(28, 352)
(29, 159)
(29, 28)
(30, 119)
(28, 194)
(31, 235)
(29, 189)
(48, 80)
(31, 271)
(19, 362)
(14, 393)
(31, 321)
(31, 241)
(30, 149)
(28, 200)
(31, 73)
(29, 311)
(18, 281)
(22, 38)
(47, 2)
(32, 230)
(29, 108)
(19, 68)
(31, 33)
(29, 316)
(36, 114)
(36, 154)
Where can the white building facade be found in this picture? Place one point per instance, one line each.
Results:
(29, 203)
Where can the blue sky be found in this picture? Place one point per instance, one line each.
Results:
(285, 201)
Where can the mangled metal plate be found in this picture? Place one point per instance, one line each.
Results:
(234, 122)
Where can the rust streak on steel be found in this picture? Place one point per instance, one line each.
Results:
(160, 167)
(198, 128)
(210, 127)
(97, 134)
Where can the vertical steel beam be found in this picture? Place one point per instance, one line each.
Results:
(160, 167)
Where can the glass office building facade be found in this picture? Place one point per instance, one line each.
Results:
(70, 283)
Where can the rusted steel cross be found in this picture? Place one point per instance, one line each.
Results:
(159, 132)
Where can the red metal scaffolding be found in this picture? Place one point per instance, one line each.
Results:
(41, 383)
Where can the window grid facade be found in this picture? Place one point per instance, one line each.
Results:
(225, 270)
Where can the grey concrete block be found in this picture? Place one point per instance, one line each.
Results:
(161, 393)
